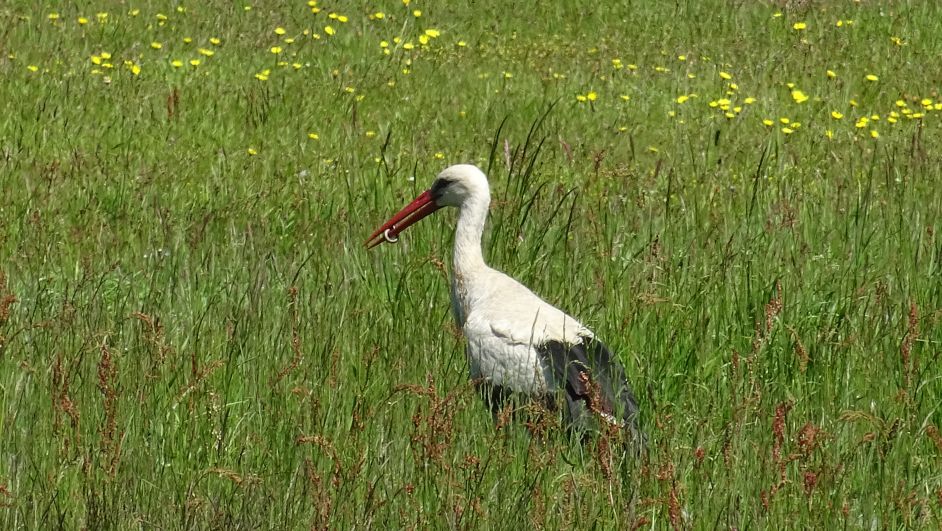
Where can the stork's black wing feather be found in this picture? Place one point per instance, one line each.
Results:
(592, 382)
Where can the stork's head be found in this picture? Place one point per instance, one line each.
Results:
(455, 186)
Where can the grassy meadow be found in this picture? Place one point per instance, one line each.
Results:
(742, 199)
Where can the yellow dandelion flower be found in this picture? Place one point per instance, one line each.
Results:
(372, 134)
(329, 30)
(631, 67)
(423, 39)
(408, 46)
(32, 68)
(461, 44)
(767, 122)
(900, 103)
(53, 16)
(252, 152)
(799, 26)
(872, 77)
(342, 19)
(275, 50)
(215, 41)
(874, 133)
(417, 13)
(581, 98)
(96, 59)
(156, 45)
(784, 120)
(102, 17)
(433, 33)
(726, 75)
(788, 130)
(136, 69)
(831, 74)
(625, 97)
(681, 57)
(280, 31)
(105, 55)
(592, 96)
(508, 75)
(379, 15)
(836, 115)
(926, 102)
(853, 103)
(82, 21)
(891, 120)
(749, 101)
(313, 136)
(829, 134)
(194, 62)
(176, 63)
(652, 149)
(682, 98)
(187, 40)
(799, 96)
(439, 155)
(729, 114)
(206, 52)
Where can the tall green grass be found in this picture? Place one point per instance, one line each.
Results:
(192, 335)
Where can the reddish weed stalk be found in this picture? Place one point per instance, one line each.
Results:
(906, 349)
(107, 384)
(295, 337)
(7, 299)
(62, 402)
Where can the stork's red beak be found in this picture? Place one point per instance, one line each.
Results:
(421, 207)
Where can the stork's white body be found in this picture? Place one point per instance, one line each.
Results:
(504, 322)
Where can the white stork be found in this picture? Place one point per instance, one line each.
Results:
(518, 344)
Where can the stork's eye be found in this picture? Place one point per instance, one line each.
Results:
(439, 186)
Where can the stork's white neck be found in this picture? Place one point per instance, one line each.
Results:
(468, 259)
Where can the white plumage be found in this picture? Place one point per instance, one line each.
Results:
(517, 342)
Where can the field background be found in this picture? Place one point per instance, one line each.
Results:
(741, 198)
